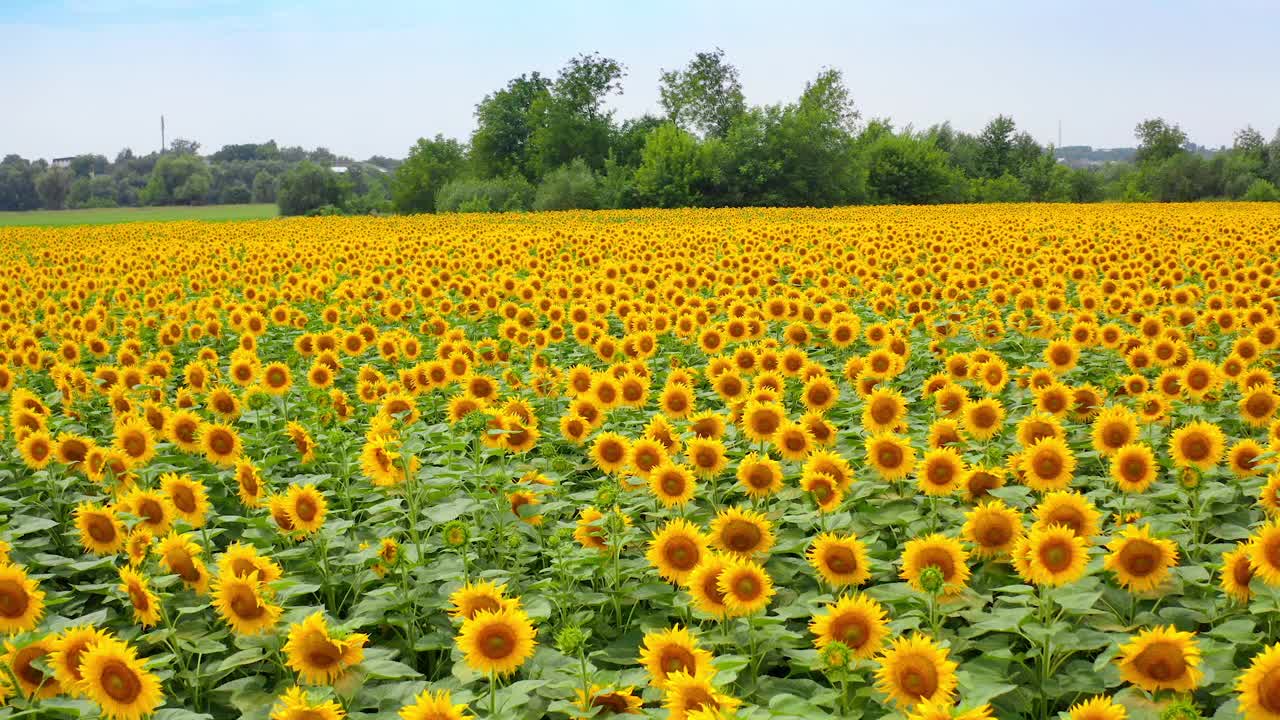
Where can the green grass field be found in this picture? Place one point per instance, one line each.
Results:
(107, 216)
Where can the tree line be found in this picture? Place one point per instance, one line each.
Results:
(551, 143)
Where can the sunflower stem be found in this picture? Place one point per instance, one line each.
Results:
(493, 694)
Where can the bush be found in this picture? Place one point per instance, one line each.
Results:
(1261, 191)
(1004, 189)
(309, 187)
(569, 187)
(236, 194)
(493, 195)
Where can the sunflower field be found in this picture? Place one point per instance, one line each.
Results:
(925, 463)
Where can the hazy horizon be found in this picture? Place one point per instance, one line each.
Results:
(94, 77)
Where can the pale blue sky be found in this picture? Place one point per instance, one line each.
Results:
(365, 78)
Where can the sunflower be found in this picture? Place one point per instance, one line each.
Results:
(36, 449)
(306, 508)
(183, 430)
(21, 600)
(1161, 658)
(1258, 406)
(1264, 553)
(241, 560)
(993, 528)
(1133, 468)
(914, 670)
(101, 532)
(1097, 708)
(760, 421)
(1037, 426)
(249, 485)
(823, 488)
(1052, 556)
(239, 600)
(187, 497)
(664, 653)
(220, 443)
(793, 440)
(146, 607)
(319, 657)
(135, 439)
(524, 506)
(34, 682)
(1259, 685)
(434, 706)
(940, 472)
(181, 556)
(295, 705)
(948, 556)
(688, 697)
(983, 419)
(302, 441)
(672, 484)
(759, 475)
(704, 585)
(1115, 427)
(68, 649)
(883, 410)
(707, 456)
(1048, 465)
(609, 452)
(857, 621)
(646, 454)
(1140, 561)
(820, 394)
(120, 684)
(71, 449)
(476, 597)
(610, 701)
(138, 545)
(891, 455)
(831, 463)
(676, 400)
(1243, 456)
(497, 641)
(741, 532)
(841, 560)
(590, 529)
(745, 586)
(676, 550)
(1198, 444)
(945, 711)
(1237, 573)
(1071, 509)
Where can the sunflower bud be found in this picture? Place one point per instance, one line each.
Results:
(835, 656)
(570, 639)
(1181, 710)
(932, 580)
(455, 534)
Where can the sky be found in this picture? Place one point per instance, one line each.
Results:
(370, 77)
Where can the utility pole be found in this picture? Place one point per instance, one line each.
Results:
(1059, 132)
(162, 145)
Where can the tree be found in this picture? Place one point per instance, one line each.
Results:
(1158, 141)
(1261, 191)
(182, 146)
(571, 122)
(308, 188)
(828, 96)
(706, 96)
(264, 187)
(504, 126)
(673, 169)
(53, 186)
(181, 178)
(903, 169)
(995, 147)
(18, 184)
(572, 187)
(431, 164)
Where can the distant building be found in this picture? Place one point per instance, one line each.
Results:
(63, 162)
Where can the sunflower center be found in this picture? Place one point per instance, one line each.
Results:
(706, 458)
(1134, 469)
(1115, 436)
(244, 604)
(941, 473)
(918, 678)
(13, 598)
(182, 565)
(1140, 557)
(611, 702)
(794, 442)
(742, 536)
(183, 499)
(1258, 405)
(1268, 689)
(746, 587)
(1195, 448)
(1056, 556)
(151, 510)
(940, 559)
(221, 443)
(28, 673)
(759, 477)
(840, 560)
(101, 529)
(324, 654)
(682, 553)
(1048, 465)
(995, 533)
(497, 642)
(135, 445)
(711, 588)
(677, 659)
(883, 412)
(851, 630)
(1162, 662)
(120, 682)
(138, 598)
(1242, 571)
(672, 484)
(698, 698)
(305, 509)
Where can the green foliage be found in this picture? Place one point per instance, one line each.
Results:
(308, 187)
(1004, 189)
(18, 184)
(178, 178)
(995, 147)
(235, 195)
(96, 192)
(53, 186)
(509, 194)
(1158, 140)
(705, 96)
(1262, 191)
(572, 187)
(673, 167)
(909, 170)
(431, 164)
(264, 187)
